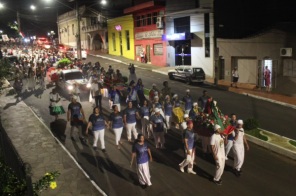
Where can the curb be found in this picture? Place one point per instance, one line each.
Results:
(271, 100)
(272, 147)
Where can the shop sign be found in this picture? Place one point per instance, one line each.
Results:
(149, 34)
(177, 36)
(118, 27)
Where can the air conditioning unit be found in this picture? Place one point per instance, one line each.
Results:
(159, 25)
(159, 19)
(286, 52)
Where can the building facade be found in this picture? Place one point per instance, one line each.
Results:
(93, 29)
(190, 34)
(148, 18)
(121, 36)
(273, 49)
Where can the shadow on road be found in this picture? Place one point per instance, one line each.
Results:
(58, 128)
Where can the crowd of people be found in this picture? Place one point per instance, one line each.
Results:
(145, 117)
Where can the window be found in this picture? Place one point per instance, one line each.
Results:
(158, 49)
(207, 34)
(138, 21)
(138, 50)
(73, 29)
(155, 14)
(182, 24)
(143, 20)
(149, 21)
(114, 41)
(127, 40)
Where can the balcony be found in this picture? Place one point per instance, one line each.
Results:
(94, 27)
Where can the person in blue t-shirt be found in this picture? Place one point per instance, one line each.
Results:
(75, 115)
(130, 119)
(140, 91)
(189, 142)
(97, 122)
(187, 99)
(231, 136)
(145, 113)
(168, 111)
(132, 94)
(194, 112)
(158, 123)
(116, 120)
(114, 97)
(142, 153)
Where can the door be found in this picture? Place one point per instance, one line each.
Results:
(120, 42)
(148, 54)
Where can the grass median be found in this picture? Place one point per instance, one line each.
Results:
(256, 133)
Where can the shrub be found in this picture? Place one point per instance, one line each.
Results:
(251, 124)
(292, 142)
(64, 63)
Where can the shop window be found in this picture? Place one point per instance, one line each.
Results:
(138, 21)
(127, 40)
(158, 49)
(155, 14)
(149, 20)
(114, 41)
(73, 29)
(143, 20)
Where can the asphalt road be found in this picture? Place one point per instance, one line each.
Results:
(265, 173)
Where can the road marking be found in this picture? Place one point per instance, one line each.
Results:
(70, 155)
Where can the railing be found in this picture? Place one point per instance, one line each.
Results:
(95, 27)
(11, 158)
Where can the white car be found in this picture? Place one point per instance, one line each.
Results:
(187, 73)
(73, 76)
(73, 53)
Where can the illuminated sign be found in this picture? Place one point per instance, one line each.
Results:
(176, 36)
(149, 34)
(118, 27)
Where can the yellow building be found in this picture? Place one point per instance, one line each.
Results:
(121, 36)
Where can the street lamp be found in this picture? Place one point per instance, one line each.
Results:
(33, 7)
(1, 5)
(103, 2)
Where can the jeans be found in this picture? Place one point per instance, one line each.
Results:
(98, 101)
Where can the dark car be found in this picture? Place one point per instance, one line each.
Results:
(189, 74)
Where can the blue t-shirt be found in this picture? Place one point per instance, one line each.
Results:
(159, 121)
(114, 96)
(144, 111)
(168, 109)
(177, 103)
(192, 114)
(130, 115)
(133, 95)
(230, 136)
(75, 110)
(190, 136)
(116, 119)
(188, 102)
(141, 151)
(98, 122)
(158, 105)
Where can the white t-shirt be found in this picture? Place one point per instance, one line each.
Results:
(240, 137)
(218, 142)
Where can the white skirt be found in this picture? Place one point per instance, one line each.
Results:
(144, 174)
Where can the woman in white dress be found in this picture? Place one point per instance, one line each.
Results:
(56, 107)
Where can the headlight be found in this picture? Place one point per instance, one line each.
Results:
(88, 85)
(70, 88)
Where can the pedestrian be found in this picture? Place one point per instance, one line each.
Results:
(165, 91)
(75, 115)
(157, 104)
(238, 148)
(31, 78)
(235, 77)
(145, 113)
(56, 107)
(75, 92)
(116, 122)
(115, 97)
(158, 123)
(96, 92)
(202, 100)
(194, 112)
(130, 120)
(217, 144)
(18, 86)
(142, 153)
(177, 111)
(189, 145)
(187, 99)
(267, 74)
(140, 91)
(132, 71)
(98, 123)
(153, 92)
(132, 94)
(168, 111)
(142, 55)
(230, 137)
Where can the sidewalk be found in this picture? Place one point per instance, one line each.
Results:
(245, 89)
(37, 147)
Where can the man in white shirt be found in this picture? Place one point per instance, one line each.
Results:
(217, 144)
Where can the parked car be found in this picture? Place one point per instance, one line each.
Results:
(187, 73)
(72, 53)
(67, 78)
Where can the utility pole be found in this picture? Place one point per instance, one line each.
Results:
(18, 21)
(78, 31)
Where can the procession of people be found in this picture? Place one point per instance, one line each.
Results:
(146, 117)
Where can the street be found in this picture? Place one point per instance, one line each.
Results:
(265, 173)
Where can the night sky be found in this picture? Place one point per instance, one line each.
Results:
(234, 18)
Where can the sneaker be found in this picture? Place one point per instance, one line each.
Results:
(182, 169)
(104, 150)
(236, 173)
(144, 186)
(191, 172)
(217, 182)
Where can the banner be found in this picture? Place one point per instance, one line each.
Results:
(5, 38)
